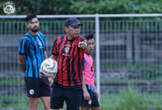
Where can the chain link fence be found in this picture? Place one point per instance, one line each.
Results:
(130, 54)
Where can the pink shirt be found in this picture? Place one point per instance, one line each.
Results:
(89, 70)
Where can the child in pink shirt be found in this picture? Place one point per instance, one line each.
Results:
(89, 77)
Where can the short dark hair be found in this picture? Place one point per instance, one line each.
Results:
(89, 36)
(30, 17)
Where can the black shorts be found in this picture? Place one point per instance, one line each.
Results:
(71, 95)
(93, 102)
(37, 87)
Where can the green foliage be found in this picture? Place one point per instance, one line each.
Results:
(86, 6)
(131, 100)
(116, 6)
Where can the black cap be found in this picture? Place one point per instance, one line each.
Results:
(72, 22)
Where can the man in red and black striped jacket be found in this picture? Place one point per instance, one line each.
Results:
(68, 50)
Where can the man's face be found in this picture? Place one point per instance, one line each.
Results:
(33, 25)
(73, 31)
(90, 45)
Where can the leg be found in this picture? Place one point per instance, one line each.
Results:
(73, 97)
(45, 93)
(46, 102)
(32, 86)
(85, 105)
(95, 108)
(33, 103)
(84, 108)
(95, 102)
(57, 99)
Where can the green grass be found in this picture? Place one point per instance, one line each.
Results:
(19, 105)
(129, 99)
(126, 99)
(11, 81)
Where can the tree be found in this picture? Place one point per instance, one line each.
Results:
(86, 6)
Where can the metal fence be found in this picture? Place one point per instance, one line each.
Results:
(128, 52)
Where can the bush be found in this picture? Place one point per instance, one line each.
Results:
(130, 100)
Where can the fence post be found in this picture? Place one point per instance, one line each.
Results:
(129, 47)
(137, 45)
(97, 54)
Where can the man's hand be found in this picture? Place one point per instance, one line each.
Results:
(50, 79)
(82, 44)
(96, 93)
(43, 71)
(86, 95)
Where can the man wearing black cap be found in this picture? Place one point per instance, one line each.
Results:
(68, 50)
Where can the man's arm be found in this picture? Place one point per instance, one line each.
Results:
(21, 62)
(45, 54)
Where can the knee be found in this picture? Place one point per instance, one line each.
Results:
(47, 108)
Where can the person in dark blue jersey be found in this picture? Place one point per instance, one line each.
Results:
(32, 51)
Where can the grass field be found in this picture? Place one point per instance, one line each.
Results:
(127, 99)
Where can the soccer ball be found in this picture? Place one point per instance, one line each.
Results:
(48, 67)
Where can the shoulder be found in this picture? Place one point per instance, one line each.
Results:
(88, 57)
(26, 37)
(40, 33)
(60, 38)
(25, 40)
(81, 38)
(85, 55)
